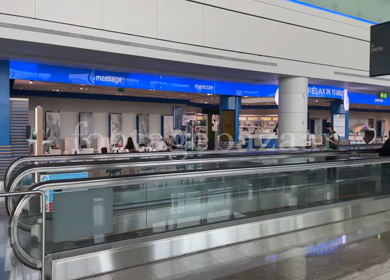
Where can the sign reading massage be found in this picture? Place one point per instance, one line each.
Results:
(61, 74)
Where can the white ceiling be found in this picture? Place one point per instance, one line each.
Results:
(73, 57)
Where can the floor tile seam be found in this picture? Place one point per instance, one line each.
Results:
(168, 270)
(199, 263)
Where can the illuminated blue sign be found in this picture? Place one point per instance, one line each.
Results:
(64, 176)
(61, 74)
(325, 92)
(369, 99)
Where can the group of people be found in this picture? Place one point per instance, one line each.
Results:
(156, 145)
(331, 140)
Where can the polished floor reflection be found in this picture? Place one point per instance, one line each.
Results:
(357, 249)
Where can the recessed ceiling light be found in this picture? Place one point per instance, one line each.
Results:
(31, 82)
(81, 88)
(205, 103)
(58, 90)
(21, 88)
(316, 100)
(246, 96)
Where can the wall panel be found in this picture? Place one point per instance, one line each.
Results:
(292, 42)
(222, 29)
(25, 8)
(180, 21)
(259, 36)
(76, 12)
(138, 17)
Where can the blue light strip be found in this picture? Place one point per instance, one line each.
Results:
(60, 74)
(367, 99)
(70, 75)
(331, 11)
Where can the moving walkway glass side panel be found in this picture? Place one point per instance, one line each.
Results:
(24, 179)
(21, 242)
(98, 214)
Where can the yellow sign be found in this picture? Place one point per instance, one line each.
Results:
(242, 118)
(266, 118)
(199, 118)
(275, 119)
(253, 118)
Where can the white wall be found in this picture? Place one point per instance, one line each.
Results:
(261, 35)
(154, 124)
(70, 109)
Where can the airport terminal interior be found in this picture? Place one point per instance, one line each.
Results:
(195, 140)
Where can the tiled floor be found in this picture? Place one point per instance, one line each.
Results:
(353, 250)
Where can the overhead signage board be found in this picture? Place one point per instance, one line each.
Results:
(61, 74)
(325, 92)
(368, 99)
(70, 75)
(380, 50)
(383, 95)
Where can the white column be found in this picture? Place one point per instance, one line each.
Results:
(293, 103)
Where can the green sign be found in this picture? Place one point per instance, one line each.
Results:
(121, 89)
(383, 95)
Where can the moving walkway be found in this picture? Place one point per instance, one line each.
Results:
(24, 177)
(104, 224)
(177, 155)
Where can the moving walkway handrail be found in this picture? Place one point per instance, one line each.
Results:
(14, 239)
(139, 178)
(86, 166)
(118, 156)
(128, 180)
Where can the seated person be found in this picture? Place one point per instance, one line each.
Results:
(158, 145)
(170, 142)
(119, 144)
(130, 147)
